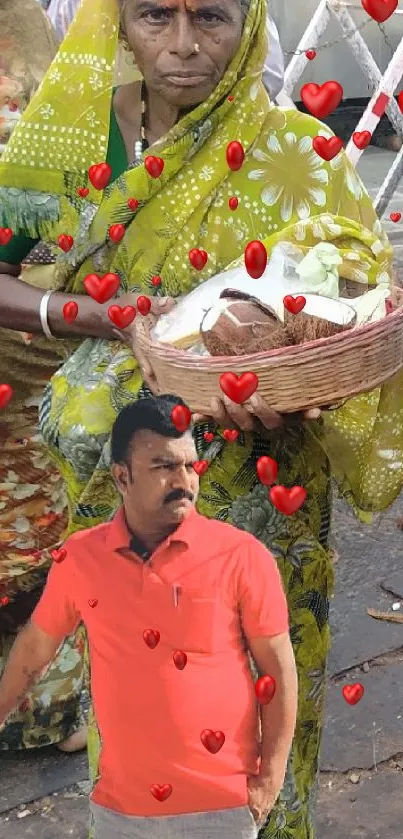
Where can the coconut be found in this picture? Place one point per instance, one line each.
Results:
(321, 317)
(240, 324)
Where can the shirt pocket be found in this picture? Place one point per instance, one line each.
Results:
(195, 622)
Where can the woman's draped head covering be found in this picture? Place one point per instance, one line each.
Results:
(65, 129)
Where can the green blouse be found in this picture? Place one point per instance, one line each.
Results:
(20, 246)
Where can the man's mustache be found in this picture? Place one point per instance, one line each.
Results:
(177, 495)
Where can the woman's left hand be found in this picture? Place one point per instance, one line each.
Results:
(159, 306)
(253, 415)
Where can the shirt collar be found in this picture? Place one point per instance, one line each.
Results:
(119, 536)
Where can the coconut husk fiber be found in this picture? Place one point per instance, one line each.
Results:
(28, 44)
(259, 329)
(302, 328)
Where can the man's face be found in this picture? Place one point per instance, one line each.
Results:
(163, 34)
(161, 486)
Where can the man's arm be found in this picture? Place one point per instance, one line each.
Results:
(31, 652)
(53, 619)
(265, 623)
(275, 657)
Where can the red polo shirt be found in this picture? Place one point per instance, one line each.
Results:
(205, 589)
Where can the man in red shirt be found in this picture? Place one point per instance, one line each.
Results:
(172, 603)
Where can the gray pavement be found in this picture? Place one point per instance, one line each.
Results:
(44, 794)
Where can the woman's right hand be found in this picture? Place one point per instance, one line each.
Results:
(159, 306)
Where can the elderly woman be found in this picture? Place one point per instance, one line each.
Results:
(201, 65)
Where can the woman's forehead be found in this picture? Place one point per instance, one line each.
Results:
(189, 5)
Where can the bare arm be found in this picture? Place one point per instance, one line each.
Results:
(274, 657)
(20, 302)
(32, 650)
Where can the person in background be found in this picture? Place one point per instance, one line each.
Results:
(61, 14)
(33, 506)
(273, 73)
(176, 592)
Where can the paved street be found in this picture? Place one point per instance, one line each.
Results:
(44, 794)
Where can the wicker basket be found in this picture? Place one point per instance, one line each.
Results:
(318, 373)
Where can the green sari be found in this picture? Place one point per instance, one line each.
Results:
(286, 193)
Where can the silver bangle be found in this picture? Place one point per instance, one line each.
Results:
(43, 314)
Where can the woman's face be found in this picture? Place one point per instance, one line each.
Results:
(164, 34)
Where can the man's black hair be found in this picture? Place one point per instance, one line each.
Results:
(152, 413)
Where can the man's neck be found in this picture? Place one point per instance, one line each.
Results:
(149, 536)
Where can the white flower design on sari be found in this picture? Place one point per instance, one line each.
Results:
(297, 189)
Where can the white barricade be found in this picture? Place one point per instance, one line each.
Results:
(383, 87)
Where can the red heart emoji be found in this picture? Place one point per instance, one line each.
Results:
(180, 659)
(235, 155)
(208, 436)
(294, 304)
(213, 741)
(100, 175)
(239, 388)
(152, 638)
(267, 470)
(6, 394)
(181, 417)
(103, 288)
(144, 305)
(327, 149)
(154, 166)
(59, 555)
(156, 281)
(116, 232)
(265, 689)
(93, 603)
(322, 100)
(380, 10)
(198, 258)
(82, 191)
(230, 435)
(122, 317)
(161, 791)
(362, 139)
(310, 54)
(353, 693)
(132, 204)
(287, 501)
(395, 217)
(255, 257)
(200, 467)
(233, 203)
(65, 242)
(70, 311)
(6, 234)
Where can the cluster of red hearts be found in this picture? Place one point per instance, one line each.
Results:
(212, 741)
(239, 389)
(322, 100)
(103, 288)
